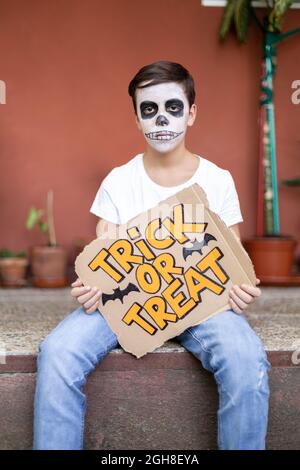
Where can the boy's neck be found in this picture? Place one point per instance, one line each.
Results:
(178, 157)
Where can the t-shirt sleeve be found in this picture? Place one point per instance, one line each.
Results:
(103, 205)
(230, 209)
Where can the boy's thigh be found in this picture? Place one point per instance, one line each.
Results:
(225, 326)
(81, 332)
(224, 335)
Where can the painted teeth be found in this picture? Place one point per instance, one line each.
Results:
(166, 136)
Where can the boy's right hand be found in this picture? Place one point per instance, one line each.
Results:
(88, 297)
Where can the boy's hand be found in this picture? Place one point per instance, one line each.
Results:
(88, 297)
(242, 296)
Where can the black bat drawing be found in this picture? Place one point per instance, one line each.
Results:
(119, 294)
(197, 246)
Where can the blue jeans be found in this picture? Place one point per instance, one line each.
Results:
(225, 344)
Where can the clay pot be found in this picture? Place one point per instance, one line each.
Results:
(271, 256)
(12, 271)
(48, 265)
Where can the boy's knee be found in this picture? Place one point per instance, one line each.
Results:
(245, 363)
(78, 337)
(61, 356)
(51, 347)
(59, 339)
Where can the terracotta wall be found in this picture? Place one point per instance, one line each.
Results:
(68, 119)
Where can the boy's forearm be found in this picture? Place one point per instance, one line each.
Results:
(103, 226)
(236, 230)
(100, 227)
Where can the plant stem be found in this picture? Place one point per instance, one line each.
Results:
(271, 207)
(288, 34)
(259, 24)
(51, 228)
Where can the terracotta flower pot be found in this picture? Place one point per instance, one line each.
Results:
(271, 256)
(48, 265)
(12, 271)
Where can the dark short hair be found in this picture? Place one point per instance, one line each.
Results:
(163, 71)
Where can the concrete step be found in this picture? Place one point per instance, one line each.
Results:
(165, 400)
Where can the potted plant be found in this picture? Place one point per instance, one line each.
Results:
(12, 268)
(48, 262)
(270, 250)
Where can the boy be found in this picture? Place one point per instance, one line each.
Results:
(163, 98)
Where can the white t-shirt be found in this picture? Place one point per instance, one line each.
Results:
(127, 191)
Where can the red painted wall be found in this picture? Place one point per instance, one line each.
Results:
(68, 119)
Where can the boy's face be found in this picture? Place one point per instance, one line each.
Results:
(163, 115)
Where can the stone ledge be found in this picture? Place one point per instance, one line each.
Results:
(165, 400)
(28, 315)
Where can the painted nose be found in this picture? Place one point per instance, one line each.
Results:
(162, 120)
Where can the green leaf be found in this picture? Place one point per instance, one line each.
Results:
(242, 18)
(5, 253)
(44, 227)
(33, 217)
(227, 19)
(278, 13)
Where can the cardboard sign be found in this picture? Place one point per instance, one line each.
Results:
(165, 270)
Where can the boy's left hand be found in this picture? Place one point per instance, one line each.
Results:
(242, 296)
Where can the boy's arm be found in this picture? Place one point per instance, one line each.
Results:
(101, 226)
(89, 297)
(236, 230)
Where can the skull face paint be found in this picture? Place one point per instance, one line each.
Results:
(163, 113)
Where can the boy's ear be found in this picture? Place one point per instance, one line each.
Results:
(192, 114)
(137, 122)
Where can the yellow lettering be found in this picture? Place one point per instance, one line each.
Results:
(145, 250)
(159, 244)
(176, 302)
(165, 265)
(203, 283)
(177, 226)
(210, 261)
(132, 315)
(121, 251)
(156, 308)
(148, 278)
(100, 262)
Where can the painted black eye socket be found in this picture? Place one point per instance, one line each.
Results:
(148, 110)
(174, 108)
